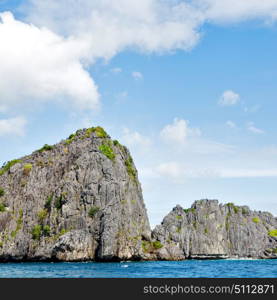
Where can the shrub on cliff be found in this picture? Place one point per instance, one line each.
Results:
(6, 167)
(93, 210)
(2, 207)
(36, 232)
(48, 202)
(46, 147)
(157, 245)
(256, 220)
(130, 168)
(107, 151)
(273, 233)
(46, 230)
(42, 214)
(99, 131)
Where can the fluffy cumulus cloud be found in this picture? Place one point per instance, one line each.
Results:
(178, 132)
(148, 25)
(111, 26)
(229, 98)
(39, 65)
(48, 60)
(13, 126)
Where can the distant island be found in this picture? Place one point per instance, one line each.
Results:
(81, 200)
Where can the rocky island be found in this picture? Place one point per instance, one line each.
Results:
(81, 200)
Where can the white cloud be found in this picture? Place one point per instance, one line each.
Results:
(248, 173)
(137, 75)
(170, 169)
(112, 26)
(37, 65)
(178, 132)
(179, 173)
(231, 124)
(14, 126)
(226, 11)
(147, 25)
(134, 138)
(116, 70)
(229, 98)
(251, 127)
(48, 60)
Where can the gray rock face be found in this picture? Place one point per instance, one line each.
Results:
(81, 200)
(209, 230)
(78, 200)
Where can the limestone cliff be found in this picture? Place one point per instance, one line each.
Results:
(81, 200)
(74, 201)
(212, 230)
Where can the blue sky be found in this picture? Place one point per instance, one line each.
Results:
(197, 111)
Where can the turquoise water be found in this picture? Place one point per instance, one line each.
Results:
(183, 269)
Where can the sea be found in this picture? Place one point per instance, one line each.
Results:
(156, 269)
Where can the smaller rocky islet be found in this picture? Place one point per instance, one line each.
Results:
(81, 200)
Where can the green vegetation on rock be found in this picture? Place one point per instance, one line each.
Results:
(233, 206)
(188, 210)
(130, 168)
(70, 139)
(273, 233)
(46, 230)
(149, 247)
(6, 167)
(36, 232)
(48, 202)
(256, 220)
(42, 214)
(107, 151)
(157, 245)
(99, 131)
(244, 211)
(93, 210)
(46, 147)
(59, 202)
(2, 207)
(2, 192)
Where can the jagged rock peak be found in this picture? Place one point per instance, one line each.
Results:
(212, 230)
(77, 200)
